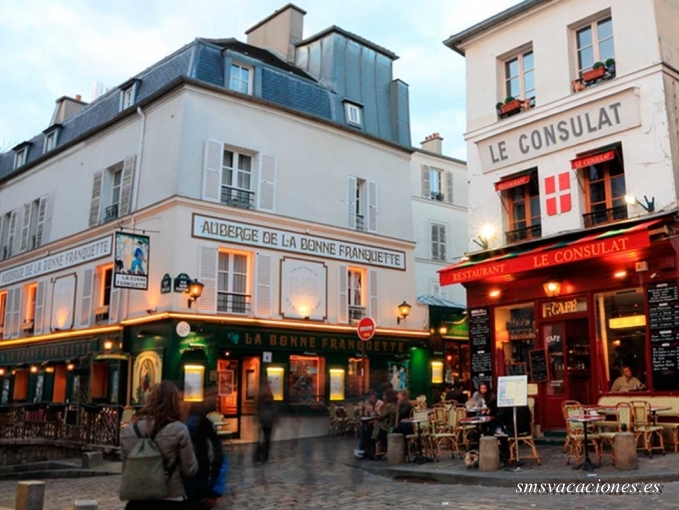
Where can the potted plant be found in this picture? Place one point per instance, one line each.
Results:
(498, 106)
(511, 105)
(610, 65)
(598, 71)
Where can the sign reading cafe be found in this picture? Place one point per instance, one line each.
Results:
(254, 235)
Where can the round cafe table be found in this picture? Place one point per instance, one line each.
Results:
(478, 421)
(585, 419)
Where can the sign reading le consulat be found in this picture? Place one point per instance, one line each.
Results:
(263, 237)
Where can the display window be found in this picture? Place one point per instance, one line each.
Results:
(306, 381)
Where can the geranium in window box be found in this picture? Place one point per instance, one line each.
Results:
(597, 72)
(511, 106)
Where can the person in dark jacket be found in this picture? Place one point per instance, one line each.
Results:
(457, 394)
(504, 427)
(404, 410)
(203, 490)
(266, 412)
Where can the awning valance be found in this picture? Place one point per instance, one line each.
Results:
(512, 181)
(587, 247)
(592, 159)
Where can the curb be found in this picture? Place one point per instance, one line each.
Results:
(55, 473)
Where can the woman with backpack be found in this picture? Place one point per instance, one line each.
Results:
(157, 452)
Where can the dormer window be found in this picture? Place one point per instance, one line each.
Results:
(21, 154)
(51, 137)
(241, 79)
(353, 114)
(128, 93)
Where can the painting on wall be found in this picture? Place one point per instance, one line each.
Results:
(398, 374)
(226, 383)
(5, 391)
(147, 372)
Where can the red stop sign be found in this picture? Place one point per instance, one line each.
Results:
(366, 328)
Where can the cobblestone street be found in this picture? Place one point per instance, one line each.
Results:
(312, 474)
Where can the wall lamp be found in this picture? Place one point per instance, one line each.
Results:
(486, 234)
(108, 345)
(552, 288)
(649, 206)
(195, 291)
(404, 311)
(443, 330)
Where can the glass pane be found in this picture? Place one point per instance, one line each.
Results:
(512, 68)
(513, 88)
(528, 61)
(223, 282)
(223, 262)
(245, 74)
(605, 29)
(117, 176)
(228, 158)
(529, 84)
(584, 37)
(240, 264)
(596, 172)
(239, 283)
(243, 181)
(519, 211)
(618, 186)
(228, 177)
(244, 162)
(553, 337)
(597, 192)
(233, 84)
(606, 50)
(586, 57)
(535, 207)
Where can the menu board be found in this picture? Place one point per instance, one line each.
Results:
(481, 346)
(516, 369)
(538, 366)
(665, 360)
(663, 311)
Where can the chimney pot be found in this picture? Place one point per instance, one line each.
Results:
(78, 97)
(433, 143)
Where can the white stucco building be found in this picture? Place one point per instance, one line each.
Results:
(572, 157)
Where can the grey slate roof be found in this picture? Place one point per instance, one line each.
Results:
(430, 300)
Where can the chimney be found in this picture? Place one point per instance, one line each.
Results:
(67, 107)
(433, 143)
(279, 32)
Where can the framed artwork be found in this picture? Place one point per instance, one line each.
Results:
(194, 377)
(39, 384)
(275, 377)
(251, 385)
(226, 381)
(147, 372)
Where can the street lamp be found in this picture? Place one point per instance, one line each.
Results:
(195, 291)
(404, 310)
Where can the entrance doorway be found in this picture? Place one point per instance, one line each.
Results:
(569, 361)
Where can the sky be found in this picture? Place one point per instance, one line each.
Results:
(61, 47)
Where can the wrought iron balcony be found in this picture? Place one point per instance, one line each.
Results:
(522, 234)
(111, 212)
(356, 313)
(360, 222)
(238, 197)
(439, 197)
(229, 302)
(605, 216)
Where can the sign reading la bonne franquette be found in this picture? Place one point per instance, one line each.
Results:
(62, 260)
(254, 235)
(556, 132)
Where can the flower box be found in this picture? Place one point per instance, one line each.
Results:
(594, 74)
(511, 107)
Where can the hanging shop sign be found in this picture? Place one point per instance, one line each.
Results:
(47, 352)
(564, 307)
(131, 270)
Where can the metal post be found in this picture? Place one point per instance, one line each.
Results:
(364, 376)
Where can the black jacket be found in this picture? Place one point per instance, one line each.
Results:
(505, 416)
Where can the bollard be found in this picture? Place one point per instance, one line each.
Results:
(625, 451)
(30, 495)
(86, 504)
(489, 454)
(91, 460)
(396, 449)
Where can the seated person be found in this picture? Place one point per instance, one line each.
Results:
(457, 394)
(405, 410)
(482, 398)
(504, 427)
(371, 407)
(384, 423)
(627, 382)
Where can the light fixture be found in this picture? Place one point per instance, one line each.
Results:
(49, 370)
(494, 293)
(649, 206)
(2, 371)
(404, 311)
(486, 234)
(552, 288)
(620, 274)
(34, 369)
(443, 330)
(437, 372)
(108, 345)
(195, 291)
(70, 366)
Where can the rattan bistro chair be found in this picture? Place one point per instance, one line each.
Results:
(527, 439)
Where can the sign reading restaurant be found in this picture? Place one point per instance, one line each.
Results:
(62, 260)
(276, 239)
(556, 132)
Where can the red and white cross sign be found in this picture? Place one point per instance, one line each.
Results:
(558, 194)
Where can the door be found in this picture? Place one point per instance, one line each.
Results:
(578, 361)
(228, 377)
(555, 389)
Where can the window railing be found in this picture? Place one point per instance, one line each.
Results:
(360, 222)
(594, 76)
(605, 216)
(356, 313)
(111, 212)
(521, 234)
(439, 197)
(229, 302)
(238, 197)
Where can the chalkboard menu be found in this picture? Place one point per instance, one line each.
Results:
(665, 360)
(538, 366)
(481, 346)
(516, 369)
(663, 323)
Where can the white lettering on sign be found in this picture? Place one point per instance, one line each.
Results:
(130, 281)
(254, 235)
(589, 122)
(65, 259)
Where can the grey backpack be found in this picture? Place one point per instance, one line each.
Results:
(145, 475)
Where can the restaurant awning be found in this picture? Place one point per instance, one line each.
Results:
(513, 181)
(563, 252)
(593, 159)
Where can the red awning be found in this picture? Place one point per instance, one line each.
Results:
(592, 159)
(512, 182)
(587, 247)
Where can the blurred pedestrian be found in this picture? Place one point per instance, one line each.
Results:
(266, 413)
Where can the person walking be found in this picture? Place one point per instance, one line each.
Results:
(159, 426)
(266, 412)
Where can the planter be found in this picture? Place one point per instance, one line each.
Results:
(594, 74)
(511, 107)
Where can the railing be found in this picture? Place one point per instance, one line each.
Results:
(228, 302)
(356, 313)
(521, 234)
(605, 216)
(439, 197)
(360, 222)
(238, 197)
(111, 212)
(90, 424)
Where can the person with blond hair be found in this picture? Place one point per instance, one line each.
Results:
(160, 420)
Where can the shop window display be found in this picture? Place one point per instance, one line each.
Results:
(306, 379)
(515, 327)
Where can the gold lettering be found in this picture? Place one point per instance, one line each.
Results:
(368, 346)
(333, 343)
(325, 343)
(351, 344)
(376, 345)
(312, 342)
(393, 346)
(400, 347)
(342, 344)
(258, 339)
(283, 341)
(272, 340)
(293, 341)
(304, 342)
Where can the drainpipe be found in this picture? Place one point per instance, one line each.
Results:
(140, 156)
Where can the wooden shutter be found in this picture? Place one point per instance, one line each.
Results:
(343, 295)
(448, 176)
(426, 190)
(114, 315)
(435, 242)
(11, 236)
(207, 271)
(126, 186)
(25, 228)
(374, 301)
(351, 202)
(16, 311)
(49, 214)
(372, 206)
(212, 170)
(443, 243)
(40, 227)
(86, 300)
(9, 315)
(95, 204)
(39, 318)
(434, 288)
(263, 277)
(266, 196)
